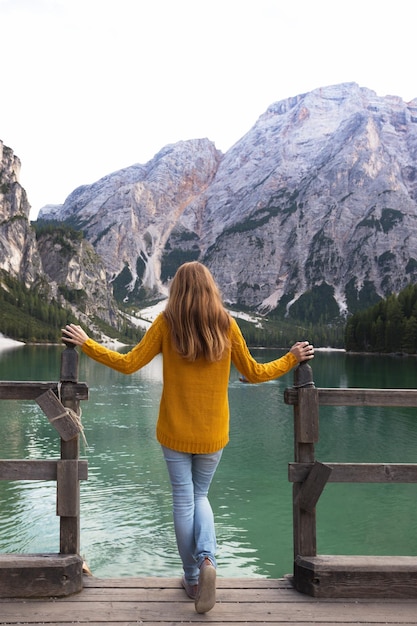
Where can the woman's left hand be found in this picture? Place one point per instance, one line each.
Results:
(74, 334)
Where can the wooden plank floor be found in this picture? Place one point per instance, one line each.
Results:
(159, 601)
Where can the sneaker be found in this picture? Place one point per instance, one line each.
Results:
(206, 593)
(191, 590)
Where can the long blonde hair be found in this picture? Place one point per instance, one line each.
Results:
(198, 320)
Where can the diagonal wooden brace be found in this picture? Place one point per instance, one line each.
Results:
(311, 489)
(58, 415)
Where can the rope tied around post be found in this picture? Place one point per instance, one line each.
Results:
(74, 417)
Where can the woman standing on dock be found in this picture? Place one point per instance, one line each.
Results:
(198, 340)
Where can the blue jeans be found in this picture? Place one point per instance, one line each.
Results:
(190, 476)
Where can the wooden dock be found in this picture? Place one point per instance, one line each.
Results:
(159, 601)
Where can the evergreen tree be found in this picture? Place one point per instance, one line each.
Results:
(388, 326)
(409, 344)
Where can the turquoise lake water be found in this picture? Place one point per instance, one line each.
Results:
(126, 523)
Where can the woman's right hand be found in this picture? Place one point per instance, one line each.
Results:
(74, 334)
(303, 351)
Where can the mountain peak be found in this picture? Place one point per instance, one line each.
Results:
(313, 212)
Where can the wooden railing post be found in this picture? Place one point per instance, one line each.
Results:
(332, 576)
(305, 436)
(46, 575)
(70, 521)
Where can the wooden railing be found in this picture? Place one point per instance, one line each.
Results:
(57, 574)
(335, 575)
(60, 574)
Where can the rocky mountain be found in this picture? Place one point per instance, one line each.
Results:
(76, 274)
(321, 194)
(313, 213)
(60, 263)
(129, 215)
(316, 206)
(19, 254)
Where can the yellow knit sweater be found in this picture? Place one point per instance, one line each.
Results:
(194, 407)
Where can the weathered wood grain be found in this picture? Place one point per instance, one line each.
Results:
(39, 575)
(25, 469)
(69, 525)
(359, 472)
(313, 484)
(161, 601)
(58, 415)
(23, 390)
(358, 397)
(341, 576)
(307, 417)
(67, 500)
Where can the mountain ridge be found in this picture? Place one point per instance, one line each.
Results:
(311, 214)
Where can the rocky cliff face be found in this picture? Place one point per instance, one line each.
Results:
(321, 192)
(76, 274)
(318, 198)
(65, 266)
(315, 207)
(129, 215)
(18, 250)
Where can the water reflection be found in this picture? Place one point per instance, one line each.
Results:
(28, 519)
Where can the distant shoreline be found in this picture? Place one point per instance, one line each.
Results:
(6, 343)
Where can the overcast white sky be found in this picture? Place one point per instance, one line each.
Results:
(91, 86)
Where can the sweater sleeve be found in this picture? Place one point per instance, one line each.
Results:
(253, 371)
(139, 356)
